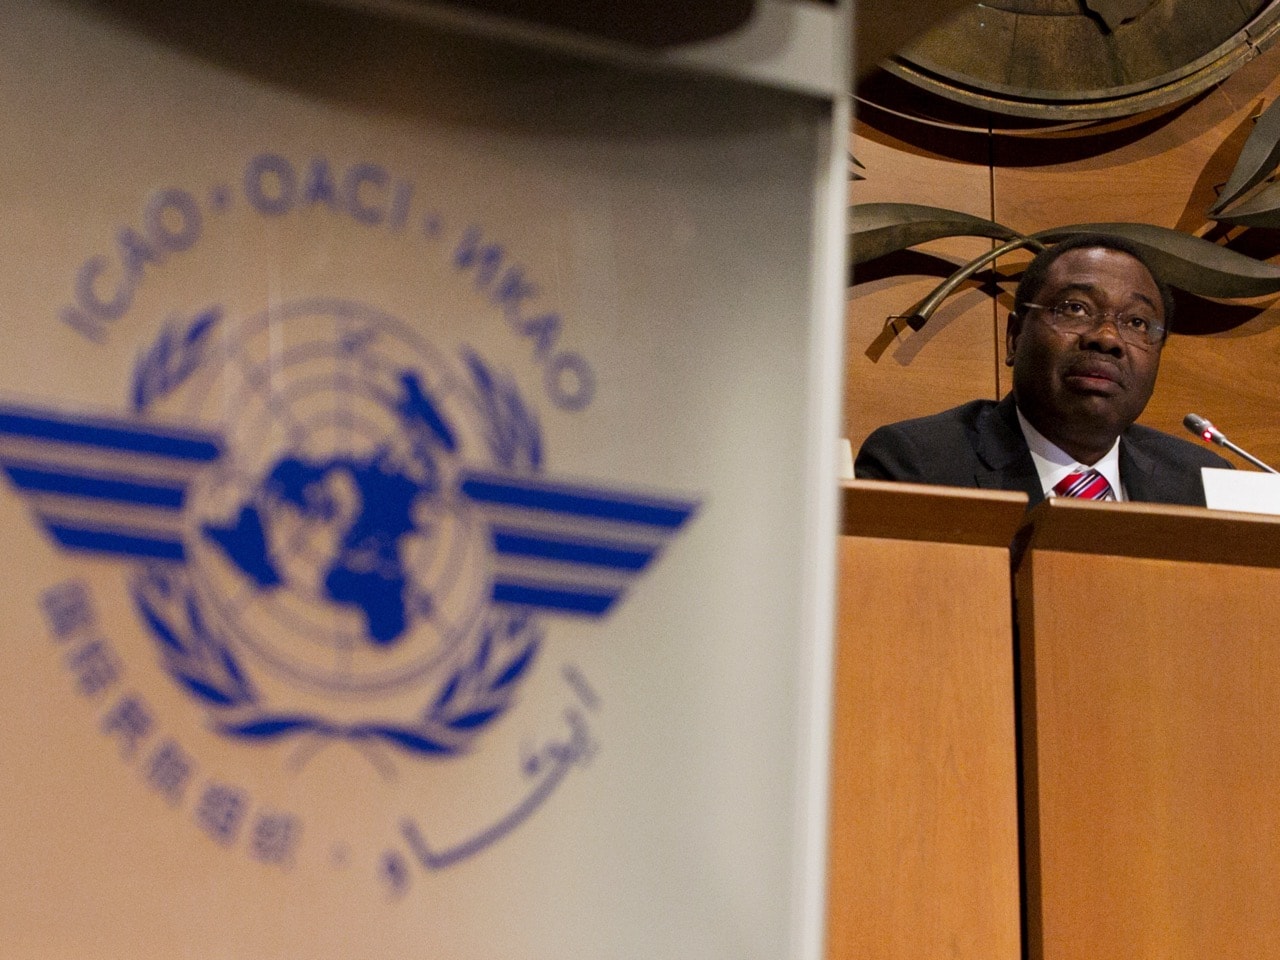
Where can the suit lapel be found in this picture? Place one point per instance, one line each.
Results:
(1139, 473)
(1005, 460)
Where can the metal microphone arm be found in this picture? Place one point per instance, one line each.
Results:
(1207, 431)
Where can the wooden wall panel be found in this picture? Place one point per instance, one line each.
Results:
(951, 359)
(1161, 170)
(1231, 379)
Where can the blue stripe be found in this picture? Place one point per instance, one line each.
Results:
(130, 544)
(554, 598)
(518, 544)
(100, 487)
(577, 501)
(110, 435)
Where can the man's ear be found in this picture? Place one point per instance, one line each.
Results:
(1011, 331)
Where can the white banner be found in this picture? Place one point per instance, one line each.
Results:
(407, 495)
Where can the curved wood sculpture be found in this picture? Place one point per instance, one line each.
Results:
(1075, 60)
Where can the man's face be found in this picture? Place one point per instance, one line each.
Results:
(1085, 387)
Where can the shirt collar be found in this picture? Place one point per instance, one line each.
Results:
(1053, 463)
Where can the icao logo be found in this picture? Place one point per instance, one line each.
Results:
(368, 550)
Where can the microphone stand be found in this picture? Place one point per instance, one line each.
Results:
(1199, 425)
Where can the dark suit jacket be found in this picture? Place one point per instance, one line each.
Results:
(980, 444)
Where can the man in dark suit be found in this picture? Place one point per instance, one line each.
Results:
(1084, 340)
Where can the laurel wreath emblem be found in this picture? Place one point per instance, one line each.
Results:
(202, 662)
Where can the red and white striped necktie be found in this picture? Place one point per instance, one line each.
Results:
(1084, 485)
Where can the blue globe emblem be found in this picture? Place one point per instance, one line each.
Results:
(329, 541)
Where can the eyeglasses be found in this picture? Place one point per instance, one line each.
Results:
(1074, 316)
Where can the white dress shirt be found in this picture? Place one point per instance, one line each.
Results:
(1053, 463)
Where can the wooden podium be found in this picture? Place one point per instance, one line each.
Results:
(1150, 656)
(924, 847)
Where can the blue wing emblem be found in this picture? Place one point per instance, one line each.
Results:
(104, 485)
(569, 549)
(119, 487)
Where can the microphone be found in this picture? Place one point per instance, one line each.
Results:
(1211, 434)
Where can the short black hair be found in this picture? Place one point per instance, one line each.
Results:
(1033, 277)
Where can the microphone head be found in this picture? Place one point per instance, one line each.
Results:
(1203, 428)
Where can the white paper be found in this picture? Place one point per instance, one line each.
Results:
(1243, 490)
